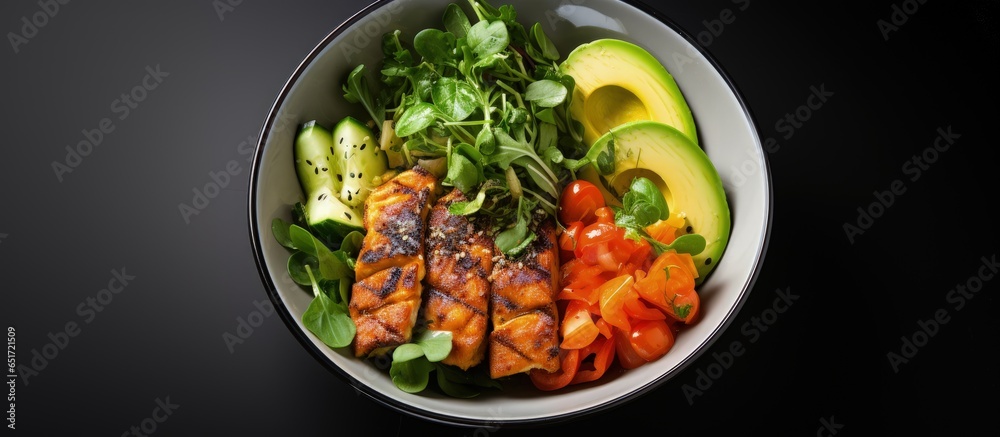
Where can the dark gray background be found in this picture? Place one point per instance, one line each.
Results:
(823, 361)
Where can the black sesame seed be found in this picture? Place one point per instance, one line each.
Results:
(708, 261)
(322, 196)
(347, 214)
(331, 152)
(317, 170)
(359, 175)
(309, 162)
(325, 169)
(689, 229)
(352, 174)
(358, 191)
(340, 178)
(349, 198)
(363, 146)
(355, 146)
(341, 140)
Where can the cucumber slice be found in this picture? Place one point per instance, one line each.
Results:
(357, 150)
(315, 164)
(330, 218)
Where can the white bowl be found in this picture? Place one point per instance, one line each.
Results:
(727, 133)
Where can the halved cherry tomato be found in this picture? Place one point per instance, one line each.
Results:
(578, 328)
(628, 358)
(651, 339)
(611, 256)
(594, 234)
(685, 307)
(579, 200)
(605, 215)
(569, 363)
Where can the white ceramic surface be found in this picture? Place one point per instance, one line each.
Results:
(727, 133)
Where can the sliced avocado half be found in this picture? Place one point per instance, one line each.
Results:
(618, 82)
(688, 179)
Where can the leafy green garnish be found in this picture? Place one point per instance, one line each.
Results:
(356, 91)
(486, 38)
(514, 240)
(412, 363)
(456, 21)
(328, 273)
(606, 159)
(327, 319)
(279, 228)
(644, 205)
(488, 95)
(681, 311)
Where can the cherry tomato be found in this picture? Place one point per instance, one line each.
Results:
(605, 214)
(627, 356)
(651, 339)
(594, 234)
(685, 307)
(579, 200)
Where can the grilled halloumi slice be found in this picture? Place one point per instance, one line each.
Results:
(384, 307)
(395, 218)
(385, 299)
(523, 309)
(459, 258)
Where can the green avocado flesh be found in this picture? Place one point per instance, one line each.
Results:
(688, 179)
(618, 82)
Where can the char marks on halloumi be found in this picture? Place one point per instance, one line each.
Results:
(459, 261)
(385, 299)
(523, 309)
(384, 307)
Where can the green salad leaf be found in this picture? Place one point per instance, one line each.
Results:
(642, 205)
(487, 94)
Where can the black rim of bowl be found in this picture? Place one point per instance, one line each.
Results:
(291, 322)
